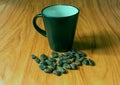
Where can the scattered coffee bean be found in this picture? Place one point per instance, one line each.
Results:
(77, 56)
(61, 58)
(81, 54)
(33, 56)
(73, 66)
(43, 57)
(48, 70)
(37, 60)
(62, 70)
(52, 59)
(48, 62)
(67, 66)
(91, 62)
(65, 57)
(78, 63)
(42, 67)
(54, 54)
(60, 63)
(53, 66)
(82, 58)
(67, 61)
(86, 62)
(57, 73)
(71, 56)
(43, 63)
(70, 60)
(71, 52)
(73, 59)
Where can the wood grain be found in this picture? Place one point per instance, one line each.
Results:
(98, 35)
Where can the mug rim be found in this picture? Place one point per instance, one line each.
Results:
(56, 5)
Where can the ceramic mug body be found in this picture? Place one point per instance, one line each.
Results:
(60, 25)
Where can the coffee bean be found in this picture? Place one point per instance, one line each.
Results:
(67, 61)
(67, 66)
(78, 63)
(71, 52)
(82, 58)
(73, 59)
(54, 64)
(77, 56)
(33, 56)
(62, 70)
(60, 63)
(52, 59)
(54, 54)
(73, 66)
(81, 54)
(43, 63)
(61, 58)
(37, 60)
(43, 57)
(91, 62)
(53, 67)
(71, 55)
(86, 62)
(48, 62)
(42, 67)
(57, 73)
(70, 60)
(65, 57)
(48, 70)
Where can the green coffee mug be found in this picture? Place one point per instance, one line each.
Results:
(60, 25)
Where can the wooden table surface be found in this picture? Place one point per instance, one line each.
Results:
(97, 34)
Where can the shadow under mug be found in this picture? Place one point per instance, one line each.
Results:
(60, 25)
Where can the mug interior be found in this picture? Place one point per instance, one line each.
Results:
(60, 11)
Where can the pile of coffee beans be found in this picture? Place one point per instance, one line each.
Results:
(58, 63)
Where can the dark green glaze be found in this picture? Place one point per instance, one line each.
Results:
(59, 30)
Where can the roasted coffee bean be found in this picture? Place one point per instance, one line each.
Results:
(53, 67)
(54, 64)
(54, 54)
(73, 66)
(65, 57)
(67, 66)
(62, 70)
(71, 52)
(73, 59)
(71, 55)
(67, 61)
(37, 60)
(43, 57)
(60, 63)
(81, 59)
(61, 58)
(33, 56)
(48, 70)
(48, 62)
(78, 63)
(42, 67)
(77, 56)
(86, 62)
(70, 60)
(81, 54)
(57, 73)
(43, 63)
(91, 62)
(52, 59)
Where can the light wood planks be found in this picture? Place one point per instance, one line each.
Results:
(97, 34)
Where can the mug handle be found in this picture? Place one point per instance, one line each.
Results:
(42, 32)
